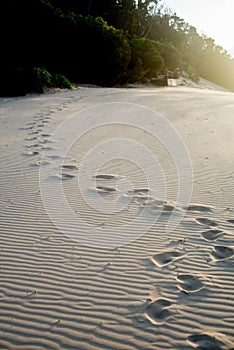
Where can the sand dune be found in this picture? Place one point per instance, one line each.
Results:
(119, 278)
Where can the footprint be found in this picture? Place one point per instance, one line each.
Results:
(40, 163)
(48, 148)
(222, 253)
(42, 142)
(207, 222)
(204, 342)
(26, 128)
(67, 176)
(156, 312)
(31, 138)
(45, 135)
(165, 258)
(211, 235)
(168, 208)
(70, 166)
(160, 205)
(106, 177)
(32, 145)
(104, 189)
(189, 283)
(59, 177)
(198, 208)
(34, 132)
(31, 153)
(138, 190)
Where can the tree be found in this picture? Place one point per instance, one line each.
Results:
(146, 60)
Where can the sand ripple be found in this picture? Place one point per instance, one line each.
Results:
(164, 290)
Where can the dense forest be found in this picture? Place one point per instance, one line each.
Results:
(58, 43)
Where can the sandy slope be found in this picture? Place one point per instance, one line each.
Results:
(164, 290)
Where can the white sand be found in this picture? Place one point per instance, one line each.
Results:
(162, 290)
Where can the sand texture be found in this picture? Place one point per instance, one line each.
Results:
(118, 278)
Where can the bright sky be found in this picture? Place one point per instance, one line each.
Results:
(213, 18)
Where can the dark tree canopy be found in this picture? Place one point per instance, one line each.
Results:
(108, 42)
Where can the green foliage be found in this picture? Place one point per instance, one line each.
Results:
(171, 56)
(102, 42)
(41, 79)
(105, 52)
(60, 81)
(146, 59)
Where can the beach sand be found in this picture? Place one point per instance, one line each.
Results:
(106, 281)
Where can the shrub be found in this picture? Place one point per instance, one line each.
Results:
(41, 79)
(103, 53)
(146, 59)
(60, 81)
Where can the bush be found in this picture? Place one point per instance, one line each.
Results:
(41, 79)
(60, 81)
(171, 56)
(146, 60)
(103, 53)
